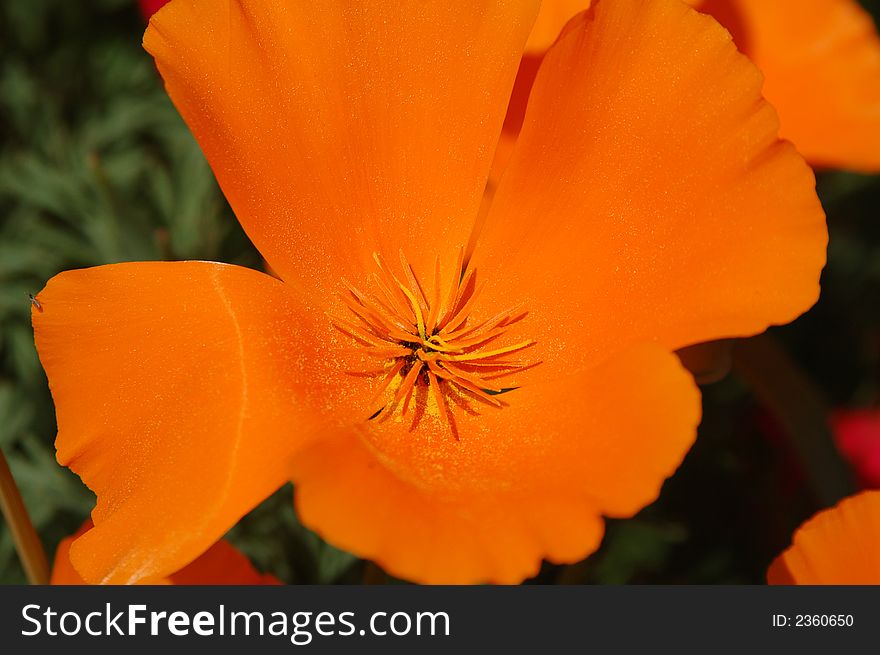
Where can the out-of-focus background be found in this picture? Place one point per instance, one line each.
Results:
(97, 167)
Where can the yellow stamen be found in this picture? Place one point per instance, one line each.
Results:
(413, 280)
(438, 395)
(418, 310)
(491, 353)
(435, 304)
(431, 342)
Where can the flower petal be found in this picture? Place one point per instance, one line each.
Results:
(181, 392)
(821, 60)
(221, 564)
(838, 546)
(551, 19)
(337, 129)
(648, 197)
(522, 482)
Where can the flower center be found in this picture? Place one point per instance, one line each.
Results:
(419, 336)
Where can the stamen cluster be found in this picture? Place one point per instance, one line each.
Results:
(425, 338)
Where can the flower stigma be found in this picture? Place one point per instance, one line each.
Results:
(423, 339)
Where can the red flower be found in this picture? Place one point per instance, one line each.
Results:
(150, 7)
(821, 66)
(857, 433)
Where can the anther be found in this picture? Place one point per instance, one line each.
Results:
(425, 339)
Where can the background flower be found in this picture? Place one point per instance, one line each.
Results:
(837, 546)
(820, 59)
(221, 564)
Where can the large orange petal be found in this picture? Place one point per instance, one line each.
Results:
(837, 546)
(221, 564)
(821, 59)
(516, 484)
(181, 392)
(648, 197)
(341, 128)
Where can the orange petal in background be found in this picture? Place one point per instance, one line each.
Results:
(821, 60)
(344, 128)
(526, 481)
(181, 392)
(551, 19)
(838, 546)
(221, 564)
(648, 197)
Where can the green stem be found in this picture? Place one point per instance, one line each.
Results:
(800, 409)
(27, 543)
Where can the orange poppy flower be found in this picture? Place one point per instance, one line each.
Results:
(454, 415)
(820, 59)
(837, 546)
(221, 564)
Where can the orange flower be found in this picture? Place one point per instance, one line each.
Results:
(820, 58)
(221, 564)
(837, 546)
(453, 415)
